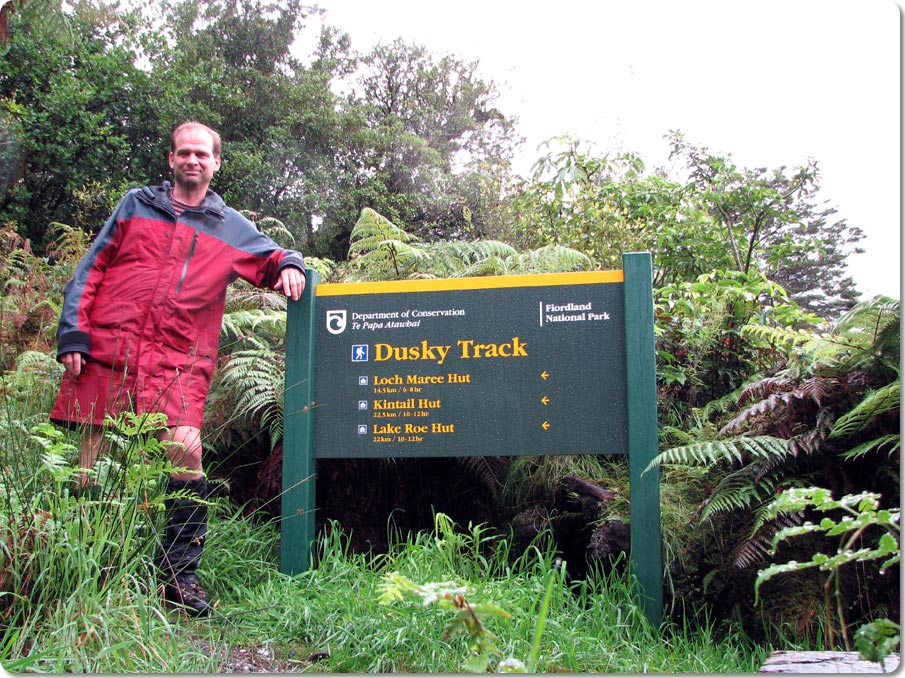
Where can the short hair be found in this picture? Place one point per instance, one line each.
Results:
(191, 124)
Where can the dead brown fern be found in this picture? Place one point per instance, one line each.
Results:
(31, 289)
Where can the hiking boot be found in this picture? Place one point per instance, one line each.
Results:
(185, 594)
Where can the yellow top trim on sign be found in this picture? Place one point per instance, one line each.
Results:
(480, 283)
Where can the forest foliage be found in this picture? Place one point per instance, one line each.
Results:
(90, 94)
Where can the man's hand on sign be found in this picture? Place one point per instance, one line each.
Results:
(291, 283)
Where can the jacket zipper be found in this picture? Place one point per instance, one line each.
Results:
(185, 265)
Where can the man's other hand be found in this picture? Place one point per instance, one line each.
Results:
(73, 362)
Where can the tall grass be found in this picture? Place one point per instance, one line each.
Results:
(97, 619)
(593, 625)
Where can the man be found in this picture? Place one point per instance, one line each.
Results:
(140, 326)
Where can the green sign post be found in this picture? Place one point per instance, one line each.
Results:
(547, 364)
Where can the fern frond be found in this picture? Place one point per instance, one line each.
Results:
(773, 407)
(37, 362)
(34, 371)
(810, 441)
(679, 434)
(246, 324)
(817, 388)
(733, 451)
(256, 378)
(492, 265)
(17, 260)
(382, 250)
(489, 471)
(756, 548)
(49, 305)
(324, 267)
(244, 295)
(390, 259)
(69, 244)
(735, 491)
(550, 259)
(753, 550)
(777, 335)
(865, 336)
(885, 399)
(890, 443)
(875, 313)
(765, 387)
(722, 405)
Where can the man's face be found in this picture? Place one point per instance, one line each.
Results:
(193, 161)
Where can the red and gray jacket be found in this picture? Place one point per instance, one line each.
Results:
(154, 284)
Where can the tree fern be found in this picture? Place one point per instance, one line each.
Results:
(381, 250)
(378, 246)
(876, 316)
(491, 257)
(553, 258)
(324, 267)
(460, 259)
(867, 337)
(243, 295)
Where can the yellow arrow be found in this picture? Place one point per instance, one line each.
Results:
(544, 375)
(545, 400)
(545, 425)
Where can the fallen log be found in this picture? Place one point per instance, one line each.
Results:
(783, 661)
(587, 489)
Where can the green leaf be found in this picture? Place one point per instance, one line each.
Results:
(877, 640)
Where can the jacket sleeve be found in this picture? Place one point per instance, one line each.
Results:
(275, 261)
(265, 257)
(74, 330)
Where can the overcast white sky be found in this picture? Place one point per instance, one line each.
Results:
(771, 83)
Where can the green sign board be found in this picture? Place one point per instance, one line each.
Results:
(514, 365)
(511, 365)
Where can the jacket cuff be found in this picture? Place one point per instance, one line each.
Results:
(74, 342)
(294, 259)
